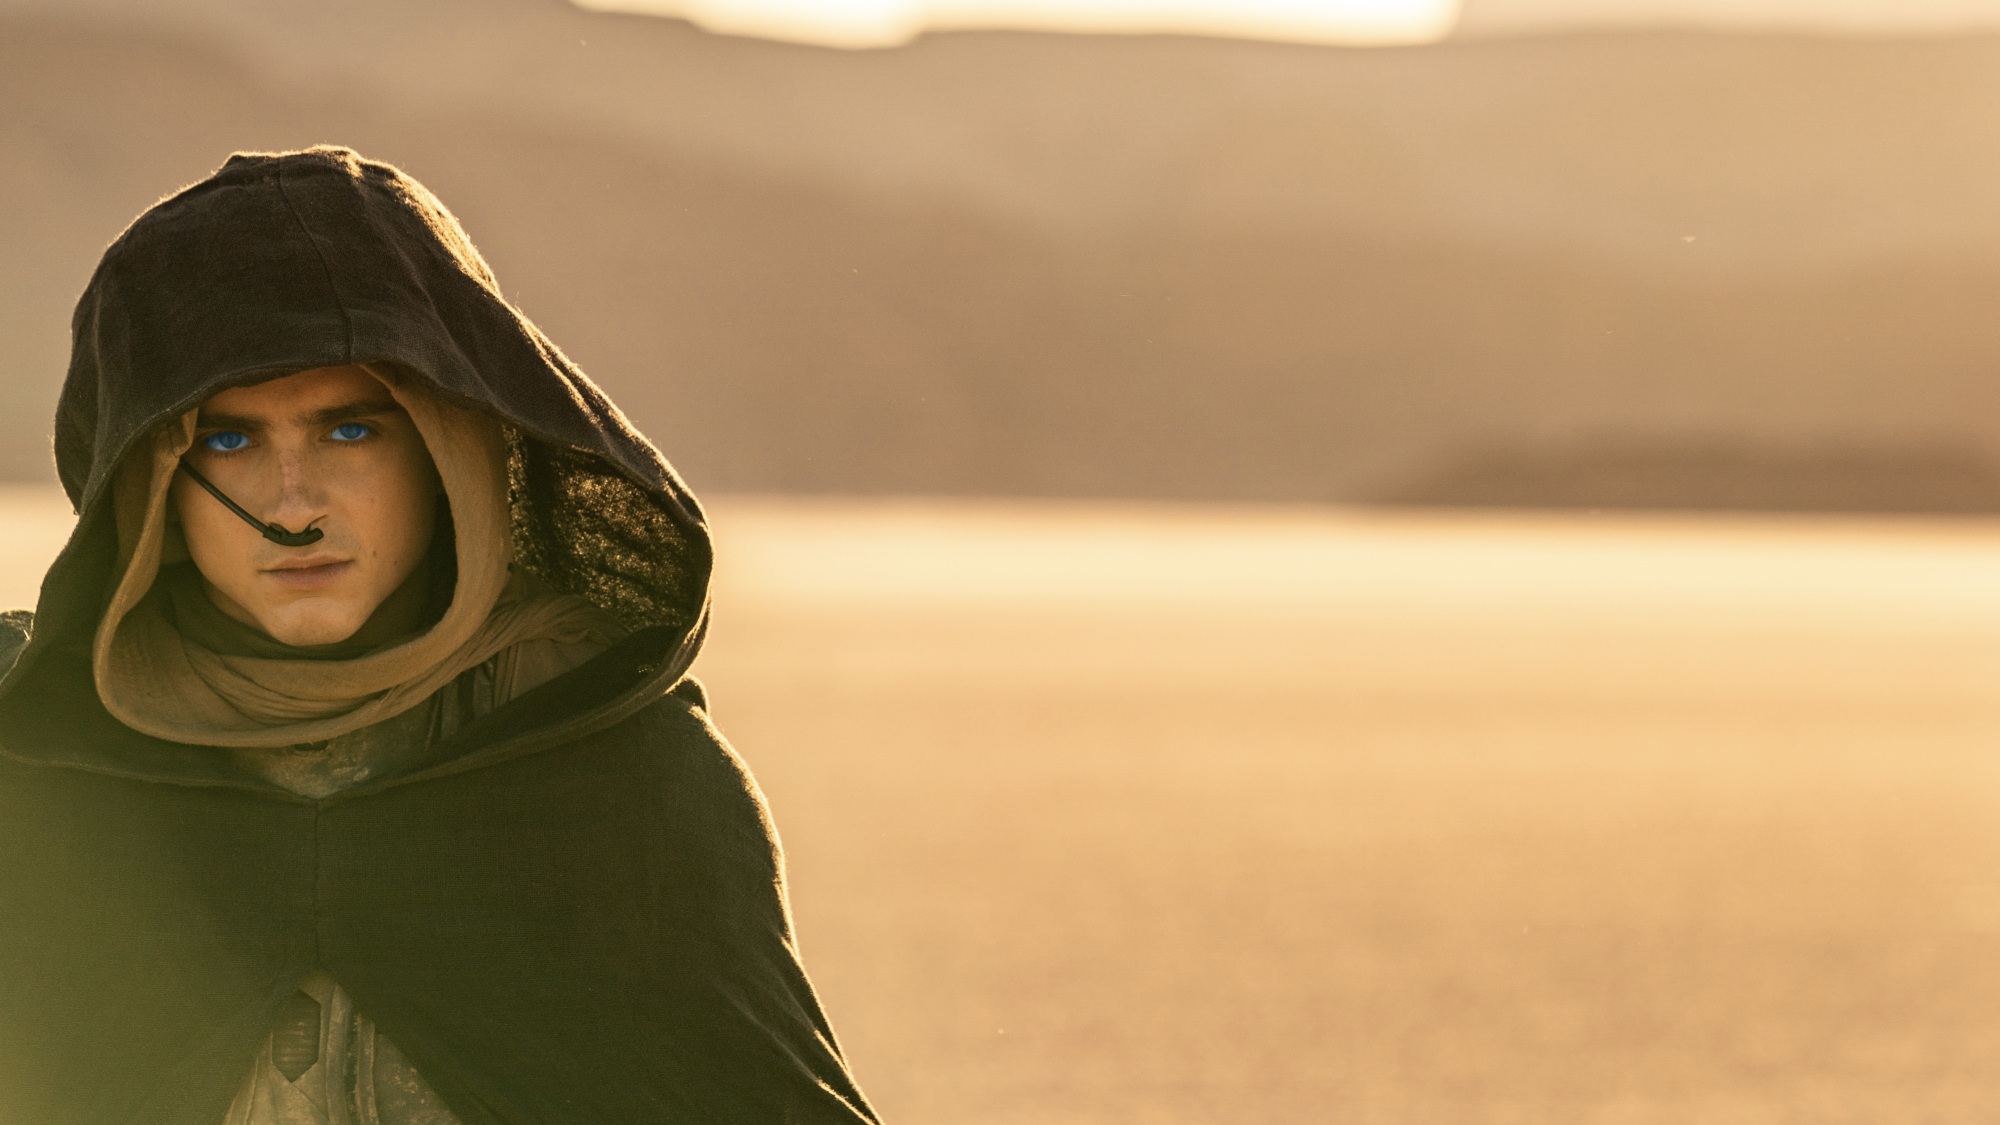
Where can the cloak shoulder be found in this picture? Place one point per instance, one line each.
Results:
(593, 934)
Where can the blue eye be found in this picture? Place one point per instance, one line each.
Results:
(350, 431)
(228, 441)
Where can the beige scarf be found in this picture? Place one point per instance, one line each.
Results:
(156, 681)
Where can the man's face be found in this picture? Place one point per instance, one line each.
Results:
(327, 447)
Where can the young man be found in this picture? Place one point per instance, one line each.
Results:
(350, 771)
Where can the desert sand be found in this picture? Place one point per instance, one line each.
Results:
(1153, 814)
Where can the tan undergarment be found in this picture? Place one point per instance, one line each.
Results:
(325, 1064)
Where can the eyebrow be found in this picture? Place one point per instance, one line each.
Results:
(252, 424)
(367, 408)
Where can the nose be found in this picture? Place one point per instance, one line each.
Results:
(302, 493)
(275, 532)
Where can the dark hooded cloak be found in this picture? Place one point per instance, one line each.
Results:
(571, 912)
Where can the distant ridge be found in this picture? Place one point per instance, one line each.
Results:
(1655, 474)
(1037, 265)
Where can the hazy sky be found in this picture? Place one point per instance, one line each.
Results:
(876, 23)
(864, 23)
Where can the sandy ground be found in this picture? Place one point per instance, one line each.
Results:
(1169, 816)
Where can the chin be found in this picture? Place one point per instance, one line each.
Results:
(315, 626)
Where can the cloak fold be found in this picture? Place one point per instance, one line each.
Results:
(570, 912)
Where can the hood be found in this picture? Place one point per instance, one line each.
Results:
(280, 262)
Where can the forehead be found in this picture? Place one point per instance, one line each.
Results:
(317, 389)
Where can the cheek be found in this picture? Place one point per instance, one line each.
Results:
(399, 503)
(219, 542)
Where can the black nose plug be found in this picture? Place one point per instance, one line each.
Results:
(271, 531)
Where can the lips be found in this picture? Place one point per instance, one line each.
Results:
(308, 574)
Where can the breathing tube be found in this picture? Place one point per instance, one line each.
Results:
(274, 532)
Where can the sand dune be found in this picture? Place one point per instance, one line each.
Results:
(1291, 817)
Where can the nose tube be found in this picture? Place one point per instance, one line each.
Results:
(274, 532)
